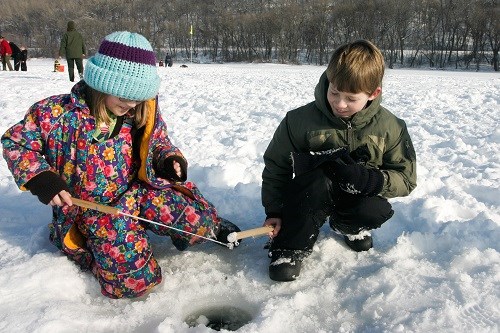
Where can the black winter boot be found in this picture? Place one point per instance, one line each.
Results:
(360, 242)
(226, 228)
(286, 264)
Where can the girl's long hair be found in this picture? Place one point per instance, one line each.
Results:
(96, 102)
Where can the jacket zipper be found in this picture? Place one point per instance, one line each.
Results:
(349, 135)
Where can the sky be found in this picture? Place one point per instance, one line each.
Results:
(435, 265)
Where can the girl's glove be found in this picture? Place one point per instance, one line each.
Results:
(164, 168)
(355, 178)
(46, 185)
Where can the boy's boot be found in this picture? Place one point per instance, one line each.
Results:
(358, 239)
(360, 242)
(285, 264)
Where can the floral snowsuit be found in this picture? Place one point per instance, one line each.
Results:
(57, 135)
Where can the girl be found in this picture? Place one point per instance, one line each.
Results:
(106, 142)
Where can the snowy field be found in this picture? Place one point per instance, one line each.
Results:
(435, 266)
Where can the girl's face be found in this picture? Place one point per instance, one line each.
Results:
(345, 104)
(119, 106)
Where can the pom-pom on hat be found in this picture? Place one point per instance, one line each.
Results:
(124, 66)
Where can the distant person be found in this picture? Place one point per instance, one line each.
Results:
(73, 48)
(168, 60)
(24, 58)
(106, 142)
(6, 53)
(339, 158)
(16, 55)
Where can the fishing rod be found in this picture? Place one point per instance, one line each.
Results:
(232, 238)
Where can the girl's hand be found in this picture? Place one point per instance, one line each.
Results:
(275, 222)
(62, 198)
(177, 169)
(171, 168)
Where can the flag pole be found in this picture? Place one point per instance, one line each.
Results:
(192, 46)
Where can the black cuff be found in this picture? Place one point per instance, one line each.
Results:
(164, 168)
(46, 185)
(273, 215)
(375, 182)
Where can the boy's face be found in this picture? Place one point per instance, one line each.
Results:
(345, 104)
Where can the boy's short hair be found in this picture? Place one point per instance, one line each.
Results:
(356, 67)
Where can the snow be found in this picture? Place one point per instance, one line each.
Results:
(435, 265)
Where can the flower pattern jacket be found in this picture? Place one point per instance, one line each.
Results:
(56, 135)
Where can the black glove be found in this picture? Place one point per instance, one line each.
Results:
(46, 185)
(304, 162)
(355, 178)
(164, 168)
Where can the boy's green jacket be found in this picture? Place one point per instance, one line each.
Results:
(313, 127)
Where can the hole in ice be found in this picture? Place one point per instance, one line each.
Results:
(219, 317)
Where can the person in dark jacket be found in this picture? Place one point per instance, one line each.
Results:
(24, 58)
(16, 55)
(168, 60)
(339, 159)
(73, 47)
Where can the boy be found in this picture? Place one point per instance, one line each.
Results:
(348, 155)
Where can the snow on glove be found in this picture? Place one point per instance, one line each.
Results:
(46, 185)
(304, 162)
(355, 178)
(164, 168)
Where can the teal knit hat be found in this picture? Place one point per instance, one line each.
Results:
(124, 66)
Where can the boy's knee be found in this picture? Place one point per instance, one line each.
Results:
(368, 213)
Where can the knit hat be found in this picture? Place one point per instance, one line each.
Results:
(124, 66)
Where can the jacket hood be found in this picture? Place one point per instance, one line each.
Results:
(321, 102)
(78, 96)
(71, 26)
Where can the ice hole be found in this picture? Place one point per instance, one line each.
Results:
(219, 317)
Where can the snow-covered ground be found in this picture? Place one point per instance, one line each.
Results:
(435, 266)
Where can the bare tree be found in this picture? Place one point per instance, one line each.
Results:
(436, 33)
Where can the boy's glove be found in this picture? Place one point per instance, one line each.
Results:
(355, 178)
(164, 168)
(304, 162)
(46, 185)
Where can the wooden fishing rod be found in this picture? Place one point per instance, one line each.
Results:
(232, 238)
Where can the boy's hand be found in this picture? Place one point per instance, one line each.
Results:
(357, 179)
(274, 222)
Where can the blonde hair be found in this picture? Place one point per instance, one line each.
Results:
(97, 105)
(356, 67)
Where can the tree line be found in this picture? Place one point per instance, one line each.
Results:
(461, 34)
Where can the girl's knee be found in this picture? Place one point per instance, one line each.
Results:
(129, 284)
